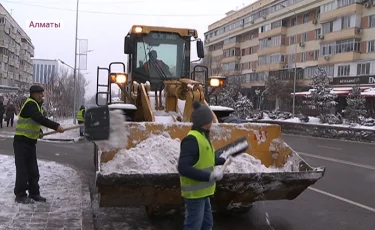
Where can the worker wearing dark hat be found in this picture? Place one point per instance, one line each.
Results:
(196, 168)
(27, 133)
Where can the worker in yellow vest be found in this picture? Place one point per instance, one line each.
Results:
(81, 119)
(27, 133)
(196, 168)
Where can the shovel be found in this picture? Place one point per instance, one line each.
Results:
(233, 149)
(65, 129)
(100, 122)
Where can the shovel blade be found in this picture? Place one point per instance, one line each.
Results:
(97, 123)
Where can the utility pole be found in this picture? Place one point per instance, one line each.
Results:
(75, 70)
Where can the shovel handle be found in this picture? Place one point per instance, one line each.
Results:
(65, 129)
(225, 165)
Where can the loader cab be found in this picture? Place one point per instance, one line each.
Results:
(156, 54)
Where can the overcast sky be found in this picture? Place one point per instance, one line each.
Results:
(105, 23)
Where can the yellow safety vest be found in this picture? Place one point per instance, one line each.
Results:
(26, 126)
(193, 189)
(80, 115)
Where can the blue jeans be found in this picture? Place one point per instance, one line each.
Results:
(198, 214)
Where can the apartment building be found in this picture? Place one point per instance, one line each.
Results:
(275, 37)
(16, 50)
(44, 70)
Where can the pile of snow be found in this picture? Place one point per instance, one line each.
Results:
(159, 154)
(61, 186)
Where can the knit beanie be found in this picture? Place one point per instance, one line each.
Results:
(201, 114)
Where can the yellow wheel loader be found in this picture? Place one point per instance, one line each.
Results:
(157, 93)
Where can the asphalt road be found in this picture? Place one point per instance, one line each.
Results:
(342, 200)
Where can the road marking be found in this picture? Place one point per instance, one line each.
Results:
(328, 147)
(338, 161)
(342, 199)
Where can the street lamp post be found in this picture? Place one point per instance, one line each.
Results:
(75, 68)
(295, 64)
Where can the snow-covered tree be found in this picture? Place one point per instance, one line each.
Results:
(320, 97)
(356, 109)
(276, 90)
(226, 96)
(243, 106)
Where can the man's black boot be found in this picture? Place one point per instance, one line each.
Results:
(38, 198)
(23, 200)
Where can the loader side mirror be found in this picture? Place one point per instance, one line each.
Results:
(128, 45)
(200, 49)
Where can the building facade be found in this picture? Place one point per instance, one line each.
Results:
(277, 37)
(44, 70)
(16, 51)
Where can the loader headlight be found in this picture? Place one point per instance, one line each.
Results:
(120, 78)
(138, 29)
(216, 81)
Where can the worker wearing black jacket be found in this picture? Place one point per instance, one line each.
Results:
(27, 132)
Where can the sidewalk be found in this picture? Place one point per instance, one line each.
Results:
(68, 203)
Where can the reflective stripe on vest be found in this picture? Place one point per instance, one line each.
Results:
(80, 115)
(197, 189)
(26, 126)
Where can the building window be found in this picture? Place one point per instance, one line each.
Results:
(345, 22)
(349, 45)
(342, 3)
(305, 17)
(318, 32)
(363, 68)
(304, 37)
(292, 40)
(343, 70)
(371, 46)
(303, 57)
(316, 55)
(371, 21)
(293, 21)
(327, 27)
(327, 7)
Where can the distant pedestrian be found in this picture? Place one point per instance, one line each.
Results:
(81, 119)
(27, 133)
(10, 112)
(2, 111)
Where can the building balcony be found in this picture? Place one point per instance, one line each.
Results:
(338, 13)
(274, 32)
(338, 58)
(270, 67)
(5, 58)
(253, 83)
(10, 75)
(231, 59)
(342, 35)
(270, 50)
(231, 45)
(11, 62)
(12, 49)
(4, 44)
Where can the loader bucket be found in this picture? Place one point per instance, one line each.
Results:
(160, 192)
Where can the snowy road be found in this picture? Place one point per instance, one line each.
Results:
(343, 199)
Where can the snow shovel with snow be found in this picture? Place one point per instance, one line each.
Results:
(100, 123)
(232, 150)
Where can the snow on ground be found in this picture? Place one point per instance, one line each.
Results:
(159, 154)
(61, 186)
(315, 121)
